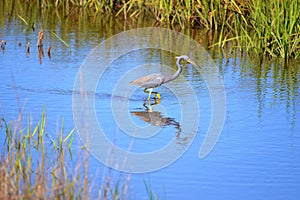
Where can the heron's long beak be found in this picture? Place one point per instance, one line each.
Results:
(192, 62)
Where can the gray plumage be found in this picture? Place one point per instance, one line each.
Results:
(155, 80)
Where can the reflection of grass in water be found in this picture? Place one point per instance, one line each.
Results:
(35, 166)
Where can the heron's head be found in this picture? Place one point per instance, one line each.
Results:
(186, 58)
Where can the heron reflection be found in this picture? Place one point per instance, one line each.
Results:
(155, 118)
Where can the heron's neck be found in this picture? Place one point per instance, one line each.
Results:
(179, 70)
(177, 73)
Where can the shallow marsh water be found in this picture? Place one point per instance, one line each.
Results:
(256, 157)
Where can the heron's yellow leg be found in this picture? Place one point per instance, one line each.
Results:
(148, 91)
(158, 95)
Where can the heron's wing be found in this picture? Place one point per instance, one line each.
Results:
(149, 81)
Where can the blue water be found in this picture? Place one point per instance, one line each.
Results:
(256, 156)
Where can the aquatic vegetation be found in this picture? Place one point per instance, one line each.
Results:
(64, 42)
(272, 28)
(151, 194)
(28, 47)
(40, 43)
(266, 28)
(36, 165)
(2, 45)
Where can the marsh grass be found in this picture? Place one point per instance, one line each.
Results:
(36, 165)
(266, 28)
(150, 193)
(273, 28)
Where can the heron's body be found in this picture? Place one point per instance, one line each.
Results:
(155, 80)
(150, 81)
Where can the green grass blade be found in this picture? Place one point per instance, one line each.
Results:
(69, 135)
(25, 22)
(58, 37)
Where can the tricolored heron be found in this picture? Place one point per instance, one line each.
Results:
(155, 80)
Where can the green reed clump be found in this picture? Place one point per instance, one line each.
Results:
(266, 28)
(33, 165)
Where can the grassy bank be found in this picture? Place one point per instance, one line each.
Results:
(267, 28)
(37, 165)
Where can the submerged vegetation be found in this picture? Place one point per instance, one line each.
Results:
(266, 28)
